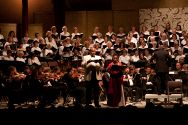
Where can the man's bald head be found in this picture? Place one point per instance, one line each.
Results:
(92, 51)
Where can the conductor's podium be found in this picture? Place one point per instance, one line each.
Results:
(163, 98)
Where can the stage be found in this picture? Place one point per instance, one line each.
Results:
(133, 112)
(155, 99)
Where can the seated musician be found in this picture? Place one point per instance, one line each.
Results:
(49, 90)
(15, 75)
(133, 83)
(71, 78)
(57, 73)
(175, 73)
(14, 82)
(149, 80)
(178, 67)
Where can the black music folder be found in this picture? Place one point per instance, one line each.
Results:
(94, 37)
(127, 45)
(42, 46)
(108, 50)
(116, 46)
(131, 50)
(185, 50)
(95, 61)
(156, 33)
(169, 33)
(139, 64)
(64, 37)
(179, 34)
(141, 50)
(157, 39)
(104, 46)
(30, 41)
(176, 52)
(67, 49)
(118, 51)
(36, 52)
(135, 36)
(54, 36)
(3, 40)
(146, 36)
(109, 36)
(54, 49)
(97, 52)
(152, 50)
(78, 36)
(99, 43)
(116, 67)
(13, 46)
(76, 48)
(121, 36)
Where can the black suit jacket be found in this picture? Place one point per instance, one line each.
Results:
(163, 60)
(152, 78)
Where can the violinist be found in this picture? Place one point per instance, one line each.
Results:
(14, 82)
(71, 78)
(57, 73)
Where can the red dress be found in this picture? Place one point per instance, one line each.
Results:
(114, 87)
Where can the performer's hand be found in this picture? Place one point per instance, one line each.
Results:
(144, 78)
(100, 83)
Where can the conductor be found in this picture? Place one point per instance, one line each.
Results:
(162, 59)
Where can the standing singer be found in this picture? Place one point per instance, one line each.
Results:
(116, 80)
(93, 76)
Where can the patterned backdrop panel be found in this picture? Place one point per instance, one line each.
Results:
(152, 17)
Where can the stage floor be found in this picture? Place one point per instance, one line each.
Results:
(139, 104)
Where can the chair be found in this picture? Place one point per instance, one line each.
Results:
(174, 90)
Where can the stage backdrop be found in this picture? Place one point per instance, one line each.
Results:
(159, 16)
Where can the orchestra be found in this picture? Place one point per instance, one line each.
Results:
(134, 50)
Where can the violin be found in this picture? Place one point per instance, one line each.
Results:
(75, 73)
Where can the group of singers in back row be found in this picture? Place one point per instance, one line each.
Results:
(140, 60)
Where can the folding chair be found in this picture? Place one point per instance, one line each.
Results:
(174, 90)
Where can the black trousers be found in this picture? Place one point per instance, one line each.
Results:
(92, 90)
(79, 94)
(164, 76)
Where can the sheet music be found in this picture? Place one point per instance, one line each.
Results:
(171, 72)
(148, 83)
(178, 80)
(130, 80)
